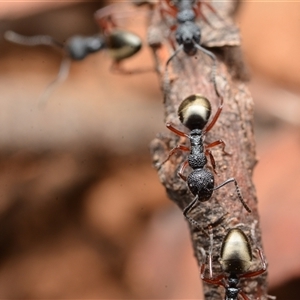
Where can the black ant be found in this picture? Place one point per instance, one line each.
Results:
(120, 44)
(188, 32)
(194, 113)
(235, 259)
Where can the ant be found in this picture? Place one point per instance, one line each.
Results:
(194, 113)
(188, 32)
(235, 259)
(120, 44)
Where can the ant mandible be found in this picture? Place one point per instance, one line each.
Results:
(235, 259)
(194, 113)
(188, 32)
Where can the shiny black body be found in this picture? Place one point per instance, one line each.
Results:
(79, 47)
(200, 181)
(194, 113)
(232, 290)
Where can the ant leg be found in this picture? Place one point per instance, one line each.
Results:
(187, 209)
(167, 9)
(212, 159)
(245, 297)
(237, 190)
(258, 272)
(180, 172)
(172, 151)
(213, 280)
(103, 17)
(61, 76)
(216, 143)
(214, 67)
(200, 14)
(215, 118)
(176, 131)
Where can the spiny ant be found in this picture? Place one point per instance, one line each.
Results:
(235, 259)
(188, 32)
(194, 113)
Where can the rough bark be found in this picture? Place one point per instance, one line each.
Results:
(190, 75)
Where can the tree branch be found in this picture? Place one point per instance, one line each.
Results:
(191, 75)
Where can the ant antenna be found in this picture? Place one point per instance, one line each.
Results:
(61, 76)
(205, 51)
(36, 40)
(210, 251)
(214, 67)
(170, 58)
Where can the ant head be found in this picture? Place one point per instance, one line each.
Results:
(122, 44)
(194, 112)
(236, 253)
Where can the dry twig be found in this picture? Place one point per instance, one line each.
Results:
(191, 75)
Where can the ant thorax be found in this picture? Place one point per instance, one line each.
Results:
(186, 16)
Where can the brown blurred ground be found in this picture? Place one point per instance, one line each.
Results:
(82, 212)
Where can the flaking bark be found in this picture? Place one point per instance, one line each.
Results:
(191, 75)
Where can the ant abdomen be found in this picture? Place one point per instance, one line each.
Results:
(201, 183)
(123, 44)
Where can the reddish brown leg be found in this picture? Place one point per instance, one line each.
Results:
(104, 18)
(212, 160)
(245, 297)
(214, 280)
(167, 9)
(258, 272)
(215, 118)
(178, 147)
(216, 143)
(176, 131)
(200, 14)
(181, 170)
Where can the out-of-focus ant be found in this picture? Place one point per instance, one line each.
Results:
(236, 260)
(194, 113)
(188, 32)
(120, 44)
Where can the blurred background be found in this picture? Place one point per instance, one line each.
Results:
(82, 212)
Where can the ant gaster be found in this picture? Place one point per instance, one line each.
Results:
(194, 113)
(188, 32)
(235, 259)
